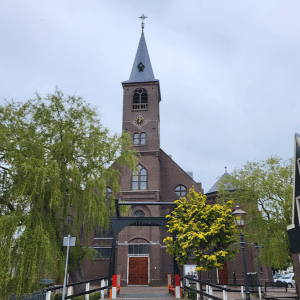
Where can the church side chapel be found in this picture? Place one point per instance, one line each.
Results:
(141, 256)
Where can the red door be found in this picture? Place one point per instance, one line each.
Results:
(143, 270)
(223, 274)
(138, 271)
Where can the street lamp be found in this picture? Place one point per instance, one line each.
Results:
(239, 220)
(257, 252)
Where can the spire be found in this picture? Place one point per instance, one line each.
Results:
(141, 69)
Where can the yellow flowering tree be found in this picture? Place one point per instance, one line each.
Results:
(204, 233)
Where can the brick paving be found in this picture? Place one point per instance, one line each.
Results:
(161, 293)
(145, 292)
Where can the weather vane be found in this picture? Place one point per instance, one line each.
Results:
(225, 169)
(143, 18)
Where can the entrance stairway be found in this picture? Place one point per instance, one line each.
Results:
(144, 292)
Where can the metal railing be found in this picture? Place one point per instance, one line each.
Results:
(209, 288)
(39, 295)
(208, 293)
(103, 286)
(45, 294)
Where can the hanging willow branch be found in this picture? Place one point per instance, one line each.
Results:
(57, 156)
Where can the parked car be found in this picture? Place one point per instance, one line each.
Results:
(276, 277)
(288, 278)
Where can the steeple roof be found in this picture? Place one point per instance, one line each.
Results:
(228, 185)
(141, 69)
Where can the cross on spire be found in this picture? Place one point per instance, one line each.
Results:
(143, 18)
(225, 169)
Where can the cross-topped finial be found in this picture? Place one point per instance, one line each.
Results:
(143, 18)
(225, 169)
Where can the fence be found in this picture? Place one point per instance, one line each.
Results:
(103, 286)
(209, 288)
(40, 295)
(46, 293)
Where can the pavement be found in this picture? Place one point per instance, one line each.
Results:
(144, 292)
(161, 293)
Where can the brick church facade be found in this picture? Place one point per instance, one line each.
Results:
(141, 256)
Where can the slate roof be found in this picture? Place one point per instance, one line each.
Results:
(214, 188)
(142, 56)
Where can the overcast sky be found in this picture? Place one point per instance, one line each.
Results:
(229, 71)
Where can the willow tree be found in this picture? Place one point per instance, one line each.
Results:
(264, 190)
(201, 233)
(55, 160)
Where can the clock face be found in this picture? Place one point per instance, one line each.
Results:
(139, 121)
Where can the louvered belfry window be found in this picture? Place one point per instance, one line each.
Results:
(140, 99)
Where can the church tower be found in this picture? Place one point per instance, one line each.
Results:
(141, 256)
(141, 118)
(141, 102)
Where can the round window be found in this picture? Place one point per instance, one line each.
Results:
(180, 190)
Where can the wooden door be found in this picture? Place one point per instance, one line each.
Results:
(143, 270)
(223, 274)
(138, 271)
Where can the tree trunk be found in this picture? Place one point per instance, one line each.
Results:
(199, 277)
(77, 275)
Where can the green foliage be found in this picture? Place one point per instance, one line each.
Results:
(95, 296)
(206, 231)
(264, 190)
(191, 295)
(55, 161)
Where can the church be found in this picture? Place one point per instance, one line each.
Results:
(140, 254)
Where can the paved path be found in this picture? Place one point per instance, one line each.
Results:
(145, 292)
(161, 293)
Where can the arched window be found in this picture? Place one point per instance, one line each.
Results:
(143, 138)
(136, 139)
(180, 190)
(139, 179)
(139, 213)
(139, 140)
(140, 99)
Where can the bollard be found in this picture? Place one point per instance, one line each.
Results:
(242, 291)
(224, 295)
(169, 279)
(177, 287)
(113, 291)
(48, 295)
(259, 292)
(70, 291)
(87, 288)
(181, 289)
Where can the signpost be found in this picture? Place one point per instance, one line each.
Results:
(68, 241)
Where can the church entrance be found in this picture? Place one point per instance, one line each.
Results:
(138, 271)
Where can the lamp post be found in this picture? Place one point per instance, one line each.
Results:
(240, 222)
(257, 252)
